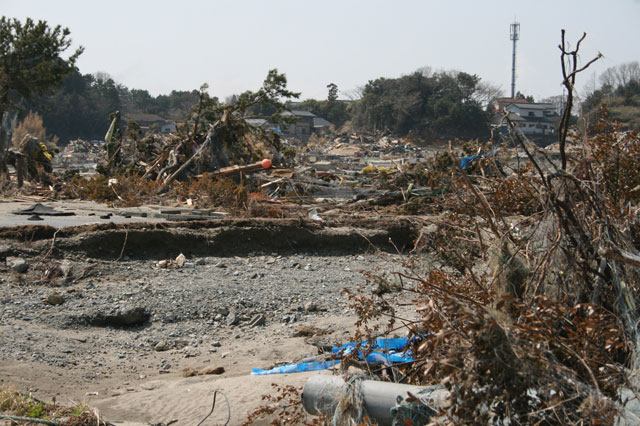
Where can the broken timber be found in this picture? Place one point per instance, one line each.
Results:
(234, 170)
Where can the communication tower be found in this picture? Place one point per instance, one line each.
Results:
(515, 36)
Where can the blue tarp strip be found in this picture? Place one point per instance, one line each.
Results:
(296, 368)
(464, 161)
(394, 346)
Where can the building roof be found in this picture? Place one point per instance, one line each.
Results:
(536, 106)
(511, 101)
(321, 122)
(299, 113)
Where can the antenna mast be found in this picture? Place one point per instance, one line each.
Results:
(515, 36)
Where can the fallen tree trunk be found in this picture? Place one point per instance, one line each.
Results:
(190, 161)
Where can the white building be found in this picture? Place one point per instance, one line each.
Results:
(536, 119)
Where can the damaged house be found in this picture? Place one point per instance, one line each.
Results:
(531, 119)
(302, 127)
(305, 125)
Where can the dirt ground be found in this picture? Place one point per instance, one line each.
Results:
(121, 393)
(236, 308)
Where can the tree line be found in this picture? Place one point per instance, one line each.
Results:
(619, 92)
(445, 104)
(448, 104)
(81, 106)
(75, 105)
(427, 104)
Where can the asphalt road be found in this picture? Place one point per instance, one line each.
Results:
(84, 213)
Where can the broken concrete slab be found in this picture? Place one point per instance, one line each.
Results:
(42, 210)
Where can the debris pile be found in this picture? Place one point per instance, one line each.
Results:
(79, 154)
(529, 303)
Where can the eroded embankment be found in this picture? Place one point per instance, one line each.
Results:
(226, 237)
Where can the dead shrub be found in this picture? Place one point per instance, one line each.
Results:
(517, 194)
(551, 336)
(33, 126)
(207, 191)
(282, 408)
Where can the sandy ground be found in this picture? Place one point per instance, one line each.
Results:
(48, 350)
(128, 390)
(124, 396)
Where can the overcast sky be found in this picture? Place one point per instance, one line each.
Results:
(231, 44)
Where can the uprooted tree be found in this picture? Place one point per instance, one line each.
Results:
(215, 135)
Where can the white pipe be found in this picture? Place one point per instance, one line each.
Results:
(322, 393)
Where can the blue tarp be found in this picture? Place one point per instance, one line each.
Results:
(464, 161)
(296, 368)
(393, 352)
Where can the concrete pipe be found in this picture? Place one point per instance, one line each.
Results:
(322, 393)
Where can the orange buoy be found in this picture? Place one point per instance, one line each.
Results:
(266, 163)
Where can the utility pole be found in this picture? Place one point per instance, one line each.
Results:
(515, 36)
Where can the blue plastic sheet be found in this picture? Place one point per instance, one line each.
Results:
(395, 344)
(394, 350)
(394, 353)
(296, 368)
(464, 161)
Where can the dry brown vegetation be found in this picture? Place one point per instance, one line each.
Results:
(546, 331)
(33, 126)
(529, 313)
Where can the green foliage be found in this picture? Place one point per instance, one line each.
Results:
(30, 61)
(19, 404)
(288, 157)
(528, 98)
(332, 96)
(235, 140)
(331, 109)
(619, 93)
(441, 105)
(80, 107)
(273, 95)
(133, 129)
(78, 410)
(35, 410)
